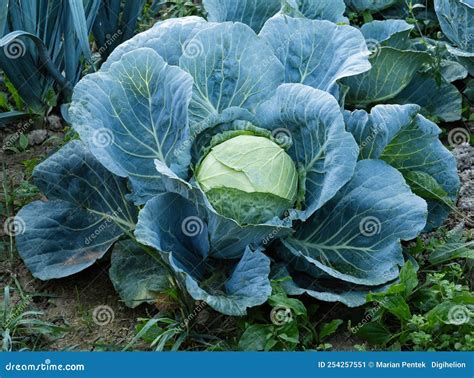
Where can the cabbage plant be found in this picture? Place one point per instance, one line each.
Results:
(456, 19)
(217, 155)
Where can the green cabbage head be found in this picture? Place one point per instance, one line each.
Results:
(249, 178)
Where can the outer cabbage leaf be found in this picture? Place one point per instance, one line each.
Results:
(325, 153)
(373, 132)
(316, 53)
(453, 71)
(393, 64)
(393, 33)
(133, 113)
(410, 143)
(253, 13)
(324, 287)
(441, 100)
(136, 275)
(392, 71)
(465, 58)
(235, 69)
(86, 213)
(247, 286)
(230, 288)
(371, 5)
(331, 10)
(169, 38)
(456, 18)
(356, 236)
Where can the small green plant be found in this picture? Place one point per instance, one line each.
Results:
(21, 145)
(178, 326)
(179, 8)
(428, 310)
(289, 328)
(30, 165)
(446, 246)
(160, 10)
(9, 97)
(22, 328)
(160, 333)
(12, 195)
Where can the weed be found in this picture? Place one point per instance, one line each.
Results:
(21, 327)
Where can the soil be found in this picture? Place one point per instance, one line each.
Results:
(71, 301)
(465, 157)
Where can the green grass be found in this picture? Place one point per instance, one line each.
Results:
(22, 327)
